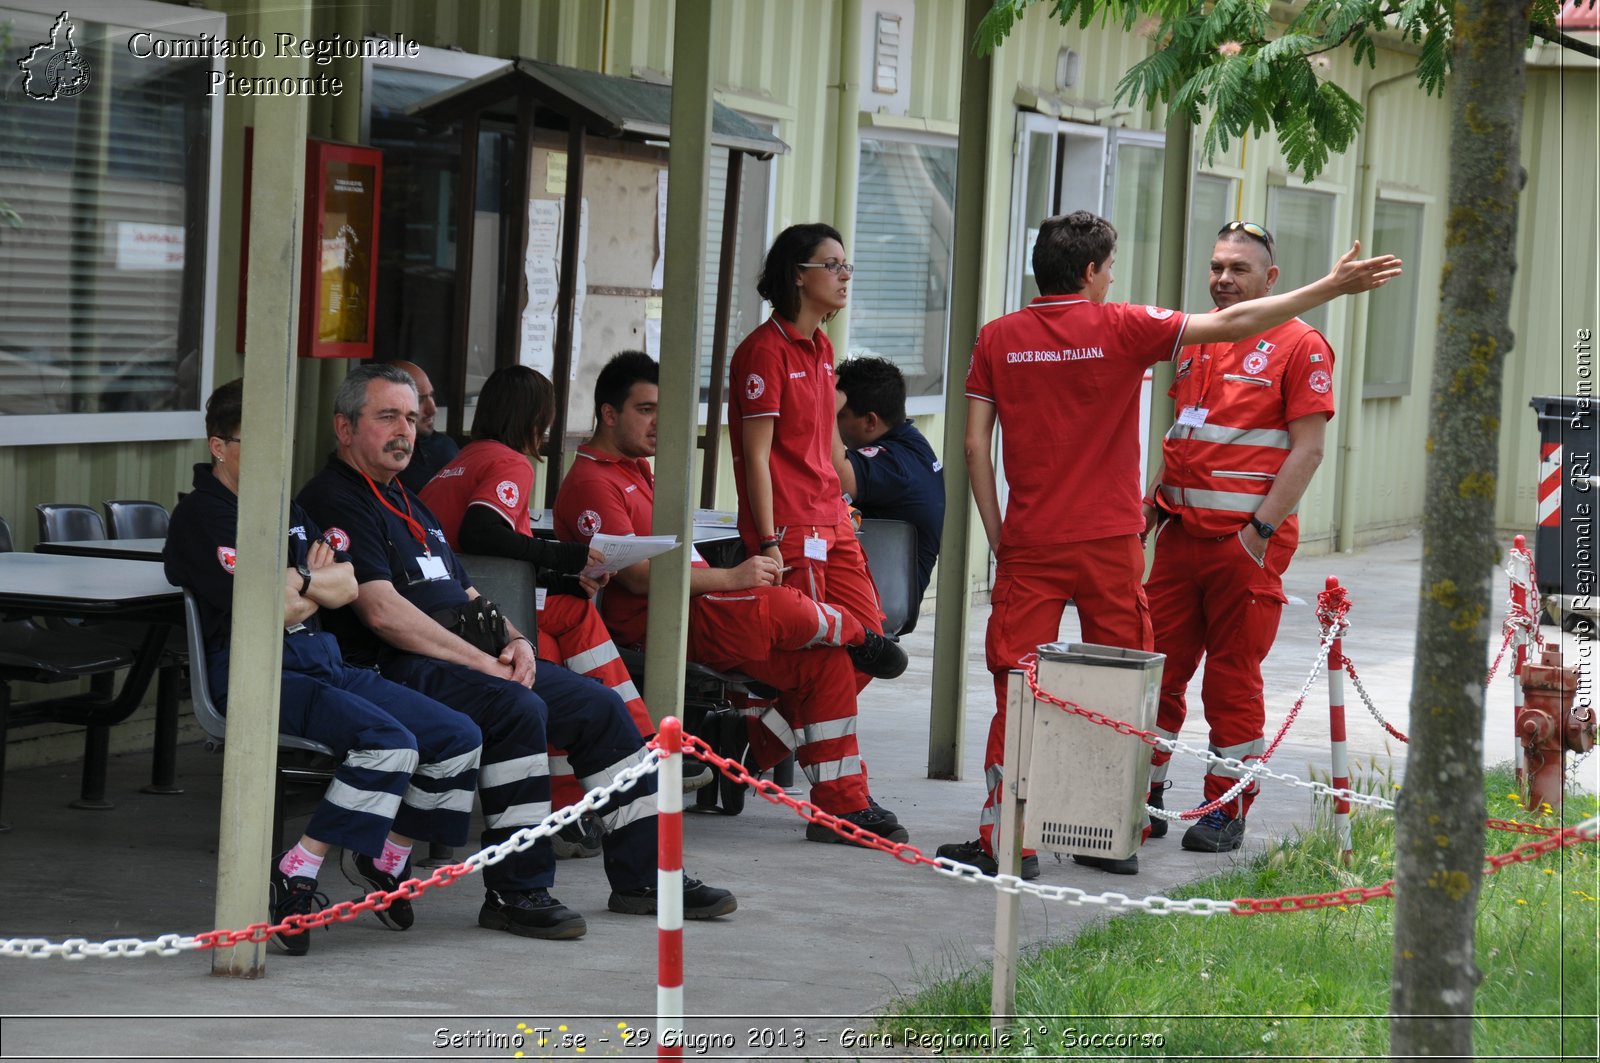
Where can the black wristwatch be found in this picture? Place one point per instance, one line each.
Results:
(305, 578)
(1262, 528)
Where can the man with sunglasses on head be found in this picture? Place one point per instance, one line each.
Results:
(1062, 376)
(1250, 419)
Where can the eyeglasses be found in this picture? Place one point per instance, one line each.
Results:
(831, 266)
(1249, 228)
(228, 439)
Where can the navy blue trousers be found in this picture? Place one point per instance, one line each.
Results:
(410, 764)
(564, 709)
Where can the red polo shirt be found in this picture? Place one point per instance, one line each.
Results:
(777, 373)
(1064, 375)
(485, 473)
(603, 493)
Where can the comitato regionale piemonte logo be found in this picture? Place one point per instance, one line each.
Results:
(56, 69)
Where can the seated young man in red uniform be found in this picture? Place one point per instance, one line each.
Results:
(1062, 377)
(1251, 418)
(740, 619)
(481, 498)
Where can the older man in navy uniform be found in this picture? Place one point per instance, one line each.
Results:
(414, 605)
(409, 763)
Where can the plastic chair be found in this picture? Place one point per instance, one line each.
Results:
(130, 519)
(61, 522)
(300, 760)
(891, 549)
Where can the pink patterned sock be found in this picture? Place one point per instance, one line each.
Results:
(300, 862)
(393, 858)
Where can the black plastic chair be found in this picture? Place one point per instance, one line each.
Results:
(891, 549)
(32, 654)
(300, 760)
(132, 519)
(61, 522)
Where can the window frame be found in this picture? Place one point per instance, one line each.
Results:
(1334, 196)
(1396, 389)
(54, 429)
(916, 405)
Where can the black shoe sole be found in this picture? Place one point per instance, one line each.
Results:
(298, 945)
(563, 931)
(347, 864)
(691, 783)
(1203, 847)
(1130, 866)
(623, 904)
(817, 833)
(1158, 827)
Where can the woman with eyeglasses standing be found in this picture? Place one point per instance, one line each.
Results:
(781, 426)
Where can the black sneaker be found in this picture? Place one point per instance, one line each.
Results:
(874, 819)
(293, 896)
(1130, 866)
(360, 869)
(1217, 832)
(531, 914)
(973, 853)
(700, 901)
(696, 774)
(878, 656)
(579, 839)
(1158, 799)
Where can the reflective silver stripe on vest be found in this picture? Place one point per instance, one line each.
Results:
(1228, 501)
(1276, 438)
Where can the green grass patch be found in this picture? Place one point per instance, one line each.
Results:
(1302, 985)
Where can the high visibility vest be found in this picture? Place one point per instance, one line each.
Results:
(1217, 473)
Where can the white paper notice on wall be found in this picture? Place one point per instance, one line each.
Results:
(656, 271)
(541, 270)
(581, 288)
(652, 327)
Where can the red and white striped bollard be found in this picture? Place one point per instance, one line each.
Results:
(1520, 575)
(669, 891)
(1336, 733)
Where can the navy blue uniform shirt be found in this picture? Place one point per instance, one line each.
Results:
(371, 527)
(899, 478)
(200, 552)
(431, 453)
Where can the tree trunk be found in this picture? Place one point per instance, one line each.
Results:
(1440, 818)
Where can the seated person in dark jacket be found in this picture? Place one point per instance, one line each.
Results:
(434, 447)
(410, 763)
(418, 616)
(887, 467)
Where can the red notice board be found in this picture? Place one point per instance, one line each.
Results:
(339, 267)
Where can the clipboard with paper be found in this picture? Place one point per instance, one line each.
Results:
(623, 550)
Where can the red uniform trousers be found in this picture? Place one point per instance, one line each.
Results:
(781, 637)
(843, 580)
(572, 634)
(1209, 596)
(1032, 585)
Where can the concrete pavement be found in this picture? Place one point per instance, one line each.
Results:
(825, 936)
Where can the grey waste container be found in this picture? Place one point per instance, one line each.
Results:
(1568, 494)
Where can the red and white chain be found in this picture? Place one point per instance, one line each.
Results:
(1520, 617)
(175, 944)
(1366, 699)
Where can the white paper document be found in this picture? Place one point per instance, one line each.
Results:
(624, 550)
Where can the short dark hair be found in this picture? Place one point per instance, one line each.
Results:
(872, 385)
(515, 407)
(782, 266)
(1068, 244)
(225, 410)
(616, 380)
(351, 398)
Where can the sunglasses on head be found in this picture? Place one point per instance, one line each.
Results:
(1249, 228)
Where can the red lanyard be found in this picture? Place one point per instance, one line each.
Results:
(411, 522)
(1205, 384)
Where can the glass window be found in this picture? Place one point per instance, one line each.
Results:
(108, 204)
(1136, 214)
(905, 224)
(1211, 206)
(1301, 223)
(1392, 309)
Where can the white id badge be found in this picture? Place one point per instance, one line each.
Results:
(816, 548)
(539, 594)
(433, 567)
(1193, 416)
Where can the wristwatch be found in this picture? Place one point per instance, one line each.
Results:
(1262, 528)
(305, 578)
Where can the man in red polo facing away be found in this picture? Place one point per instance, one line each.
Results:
(1062, 377)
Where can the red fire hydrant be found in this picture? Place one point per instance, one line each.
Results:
(1549, 725)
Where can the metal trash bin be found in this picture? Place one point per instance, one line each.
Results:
(1567, 493)
(1086, 783)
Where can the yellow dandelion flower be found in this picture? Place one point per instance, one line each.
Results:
(1549, 871)
(1514, 797)
(1521, 901)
